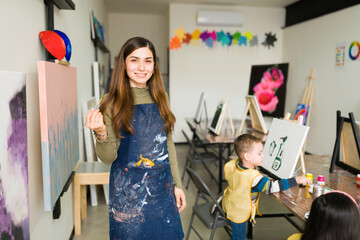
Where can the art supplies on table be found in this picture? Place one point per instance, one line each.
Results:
(321, 180)
(309, 176)
(318, 190)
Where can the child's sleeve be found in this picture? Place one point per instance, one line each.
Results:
(265, 184)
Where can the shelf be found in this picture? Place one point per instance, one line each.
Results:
(100, 44)
(64, 4)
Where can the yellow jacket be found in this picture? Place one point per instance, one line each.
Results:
(296, 236)
(237, 202)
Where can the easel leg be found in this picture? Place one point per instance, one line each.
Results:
(302, 163)
(244, 117)
(230, 120)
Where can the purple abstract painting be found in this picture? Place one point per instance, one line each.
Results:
(14, 191)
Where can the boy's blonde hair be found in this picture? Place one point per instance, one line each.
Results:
(243, 144)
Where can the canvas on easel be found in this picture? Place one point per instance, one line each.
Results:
(200, 108)
(283, 147)
(298, 120)
(257, 120)
(346, 153)
(302, 110)
(218, 119)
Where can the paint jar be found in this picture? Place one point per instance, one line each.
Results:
(318, 190)
(307, 191)
(358, 180)
(311, 188)
(321, 180)
(327, 190)
(309, 176)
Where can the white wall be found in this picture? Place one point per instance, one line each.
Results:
(123, 26)
(312, 45)
(21, 48)
(222, 72)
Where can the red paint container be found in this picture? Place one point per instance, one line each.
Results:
(321, 180)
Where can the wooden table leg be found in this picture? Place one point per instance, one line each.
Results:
(77, 219)
(83, 202)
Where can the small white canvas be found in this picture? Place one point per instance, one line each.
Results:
(217, 120)
(257, 120)
(283, 146)
(200, 108)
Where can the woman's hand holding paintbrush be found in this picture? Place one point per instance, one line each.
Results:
(95, 121)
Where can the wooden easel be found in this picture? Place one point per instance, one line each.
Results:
(200, 108)
(340, 144)
(298, 121)
(308, 96)
(217, 129)
(226, 105)
(257, 120)
(307, 99)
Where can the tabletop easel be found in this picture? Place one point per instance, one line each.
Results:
(257, 120)
(200, 109)
(226, 105)
(217, 121)
(298, 121)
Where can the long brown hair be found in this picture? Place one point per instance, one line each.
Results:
(120, 98)
(333, 216)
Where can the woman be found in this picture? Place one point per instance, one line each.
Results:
(134, 128)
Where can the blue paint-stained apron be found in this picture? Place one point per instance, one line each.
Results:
(142, 202)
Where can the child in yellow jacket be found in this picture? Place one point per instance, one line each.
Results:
(245, 184)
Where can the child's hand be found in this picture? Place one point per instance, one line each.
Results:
(303, 180)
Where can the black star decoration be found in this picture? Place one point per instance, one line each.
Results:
(269, 40)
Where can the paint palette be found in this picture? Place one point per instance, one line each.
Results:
(57, 43)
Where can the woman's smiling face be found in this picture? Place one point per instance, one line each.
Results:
(140, 66)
